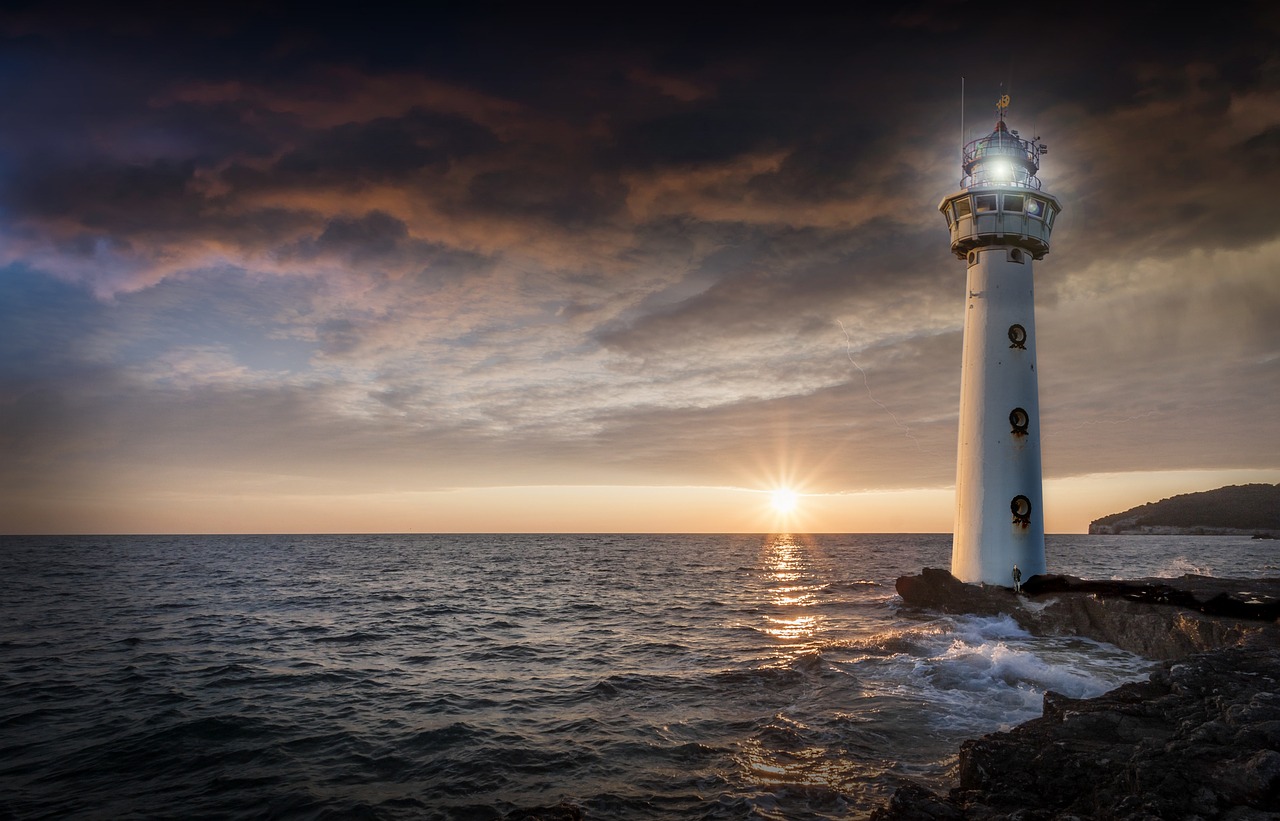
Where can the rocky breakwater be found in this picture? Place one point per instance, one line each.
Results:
(1200, 739)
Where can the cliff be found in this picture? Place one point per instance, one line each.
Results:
(1200, 739)
(1232, 510)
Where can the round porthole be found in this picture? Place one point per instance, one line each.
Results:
(1021, 508)
(1020, 420)
(1018, 337)
(973, 257)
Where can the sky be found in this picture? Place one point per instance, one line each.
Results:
(494, 269)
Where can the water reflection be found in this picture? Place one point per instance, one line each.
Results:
(807, 766)
(791, 585)
(787, 596)
(801, 627)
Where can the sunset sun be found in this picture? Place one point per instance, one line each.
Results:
(783, 500)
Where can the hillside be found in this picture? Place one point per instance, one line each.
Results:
(1227, 510)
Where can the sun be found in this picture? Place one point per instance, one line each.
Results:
(784, 500)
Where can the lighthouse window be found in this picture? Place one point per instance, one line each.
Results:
(1035, 208)
(1048, 218)
(962, 207)
(1021, 509)
(1013, 202)
(984, 203)
(1017, 337)
(1020, 421)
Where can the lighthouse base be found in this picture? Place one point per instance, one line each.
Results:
(994, 563)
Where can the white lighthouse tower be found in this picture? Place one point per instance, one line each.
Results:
(1000, 221)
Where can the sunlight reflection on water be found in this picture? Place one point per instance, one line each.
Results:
(785, 555)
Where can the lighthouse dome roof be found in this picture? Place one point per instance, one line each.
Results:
(1000, 141)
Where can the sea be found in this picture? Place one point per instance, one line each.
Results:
(466, 676)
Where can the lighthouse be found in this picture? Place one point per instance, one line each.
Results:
(1000, 222)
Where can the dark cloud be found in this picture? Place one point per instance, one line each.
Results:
(566, 197)
(376, 233)
(717, 132)
(108, 196)
(378, 245)
(384, 148)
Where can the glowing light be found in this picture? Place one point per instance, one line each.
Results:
(1001, 171)
(784, 500)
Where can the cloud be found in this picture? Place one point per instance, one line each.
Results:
(707, 260)
(1173, 171)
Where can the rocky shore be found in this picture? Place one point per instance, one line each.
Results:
(1200, 739)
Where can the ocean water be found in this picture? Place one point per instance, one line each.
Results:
(463, 676)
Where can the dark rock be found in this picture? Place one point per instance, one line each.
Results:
(936, 589)
(1196, 593)
(1193, 613)
(1149, 592)
(1200, 739)
(1225, 604)
(911, 802)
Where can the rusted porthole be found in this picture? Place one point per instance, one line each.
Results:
(1018, 337)
(1020, 420)
(1021, 507)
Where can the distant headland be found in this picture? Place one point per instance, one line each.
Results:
(1241, 510)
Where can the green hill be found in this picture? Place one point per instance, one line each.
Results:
(1227, 510)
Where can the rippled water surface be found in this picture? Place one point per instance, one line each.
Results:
(646, 677)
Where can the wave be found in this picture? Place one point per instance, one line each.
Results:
(1182, 566)
(358, 637)
(858, 585)
(994, 671)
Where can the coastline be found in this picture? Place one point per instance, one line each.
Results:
(1199, 739)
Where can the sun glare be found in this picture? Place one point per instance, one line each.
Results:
(784, 500)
